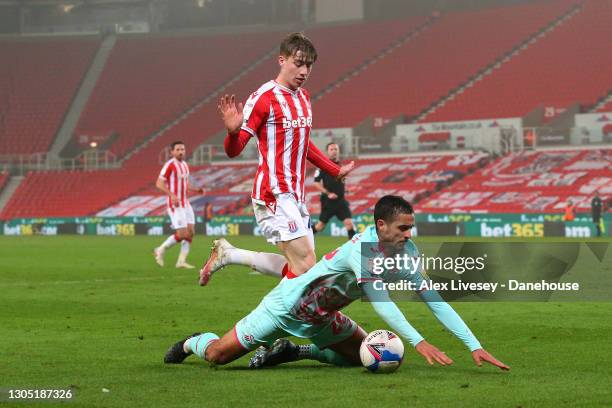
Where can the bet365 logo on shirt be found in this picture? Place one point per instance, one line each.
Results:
(300, 122)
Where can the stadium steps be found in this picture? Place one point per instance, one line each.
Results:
(195, 107)
(66, 131)
(605, 104)
(8, 190)
(569, 14)
(373, 60)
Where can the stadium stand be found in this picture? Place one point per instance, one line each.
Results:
(529, 182)
(4, 177)
(150, 81)
(606, 108)
(66, 193)
(335, 60)
(138, 171)
(413, 76)
(339, 55)
(38, 80)
(139, 93)
(229, 186)
(565, 67)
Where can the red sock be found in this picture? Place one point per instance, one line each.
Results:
(287, 272)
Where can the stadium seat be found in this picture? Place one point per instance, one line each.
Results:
(150, 81)
(437, 61)
(529, 182)
(4, 177)
(38, 80)
(229, 186)
(561, 69)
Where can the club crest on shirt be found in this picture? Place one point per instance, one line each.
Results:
(292, 225)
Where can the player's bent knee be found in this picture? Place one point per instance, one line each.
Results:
(304, 264)
(310, 260)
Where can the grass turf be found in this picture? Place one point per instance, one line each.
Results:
(96, 313)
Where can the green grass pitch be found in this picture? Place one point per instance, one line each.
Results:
(97, 313)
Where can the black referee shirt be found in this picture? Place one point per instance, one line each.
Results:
(331, 184)
(596, 207)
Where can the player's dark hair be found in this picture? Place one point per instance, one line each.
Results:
(178, 142)
(329, 144)
(390, 206)
(295, 42)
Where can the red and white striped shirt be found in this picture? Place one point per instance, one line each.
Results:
(281, 120)
(176, 175)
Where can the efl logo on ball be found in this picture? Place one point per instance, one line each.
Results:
(381, 351)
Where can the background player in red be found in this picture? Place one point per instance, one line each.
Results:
(173, 180)
(279, 116)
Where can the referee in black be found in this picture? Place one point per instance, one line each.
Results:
(596, 211)
(332, 196)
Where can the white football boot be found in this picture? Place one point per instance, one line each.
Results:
(158, 254)
(216, 260)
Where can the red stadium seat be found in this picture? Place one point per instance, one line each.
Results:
(38, 80)
(529, 182)
(428, 67)
(569, 65)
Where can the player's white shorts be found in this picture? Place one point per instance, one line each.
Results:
(181, 217)
(284, 221)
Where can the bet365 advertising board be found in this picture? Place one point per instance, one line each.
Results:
(470, 225)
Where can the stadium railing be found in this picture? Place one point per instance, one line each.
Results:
(20, 164)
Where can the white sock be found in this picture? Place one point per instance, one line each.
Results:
(169, 242)
(264, 262)
(185, 246)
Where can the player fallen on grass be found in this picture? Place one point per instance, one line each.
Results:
(173, 181)
(308, 306)
(278, 115)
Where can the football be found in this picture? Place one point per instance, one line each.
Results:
(381, 351)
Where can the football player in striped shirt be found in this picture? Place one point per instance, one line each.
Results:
(173, 181)
(279, 117)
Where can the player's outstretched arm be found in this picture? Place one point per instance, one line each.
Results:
(481, 355)
(453, 322)
(316, 157)
(346, 169)
(235, 144)
(390, 313)
(231, 115)
(432, 354)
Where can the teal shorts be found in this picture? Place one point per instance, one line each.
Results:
(270, 321)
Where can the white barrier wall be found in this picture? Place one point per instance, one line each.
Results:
(471, 134)
(592, 128)
(342, 136)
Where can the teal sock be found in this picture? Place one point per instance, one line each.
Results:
(199, 344)
(312, 352)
